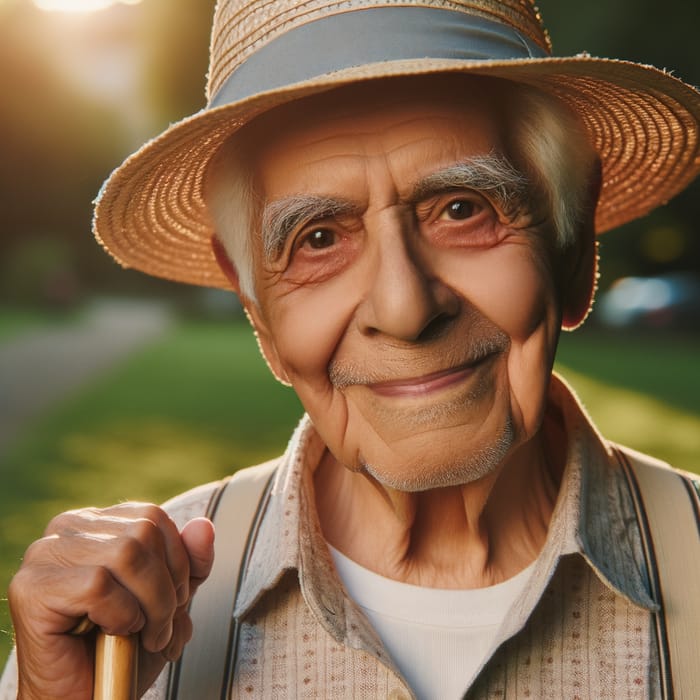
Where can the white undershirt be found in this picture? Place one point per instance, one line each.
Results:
(437, 638)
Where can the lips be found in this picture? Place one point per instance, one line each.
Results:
(428, 383)
(473, 352)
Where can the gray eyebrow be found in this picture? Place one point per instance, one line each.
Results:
(282, 216)
(491, 174)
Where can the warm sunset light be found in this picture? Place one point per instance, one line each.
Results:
(80, 5)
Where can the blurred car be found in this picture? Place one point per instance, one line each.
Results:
(666, 301)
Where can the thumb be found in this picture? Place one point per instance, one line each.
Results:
(198, 538)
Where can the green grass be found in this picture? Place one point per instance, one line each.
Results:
(188, 409)
(641, 421)
(663, 365)
(14, 321)
(641, 388)
(200, 403)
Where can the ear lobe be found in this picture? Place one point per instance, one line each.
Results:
(580, 287)
(266, 344)
(581, 264)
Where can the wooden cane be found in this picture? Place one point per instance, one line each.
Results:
(116, 667)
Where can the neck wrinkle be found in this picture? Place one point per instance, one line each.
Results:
(467, 536)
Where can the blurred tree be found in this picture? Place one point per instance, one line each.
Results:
(660, 34)
(176, 36)
(59, 139)
(52, 139)
(57, 143)
(645, 31)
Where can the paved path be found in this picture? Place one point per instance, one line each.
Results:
(42, 366)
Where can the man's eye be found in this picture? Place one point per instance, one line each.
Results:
(459, 209)
(319, 238)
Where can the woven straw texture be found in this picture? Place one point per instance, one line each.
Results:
(240, 27)
(643, 122)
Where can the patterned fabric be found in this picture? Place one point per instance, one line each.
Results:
(582, 629)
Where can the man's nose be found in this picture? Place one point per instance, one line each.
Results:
(405, 297)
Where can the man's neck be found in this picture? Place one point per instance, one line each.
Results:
(466, 536)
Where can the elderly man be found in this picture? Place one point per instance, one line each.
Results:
(405, 196)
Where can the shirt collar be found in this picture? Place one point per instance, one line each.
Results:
(599, 503)
(593, 511)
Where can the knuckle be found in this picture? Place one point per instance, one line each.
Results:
(153, 512)
(130, 553)
(183, 622)
(42, 552)
(147, 512)
(20, 588)
(160, 613)
(182, 633)
(145, 526)
(147, 533)
(36, 552)
(139, 541)
(60, 523)
(98, 582)
(168, 600)
(70, 521)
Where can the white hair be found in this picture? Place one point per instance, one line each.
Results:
(230, 197)
(557, 154)
(546, 138)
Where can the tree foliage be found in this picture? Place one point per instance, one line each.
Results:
(58, 143)
(664, 35)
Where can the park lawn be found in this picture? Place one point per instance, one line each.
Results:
(658, 363)
(641, 388)
(201, 403)
(16, 320)
(188, 409)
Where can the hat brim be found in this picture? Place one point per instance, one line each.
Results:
(151, 215)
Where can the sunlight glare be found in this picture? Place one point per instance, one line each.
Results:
(80, 5)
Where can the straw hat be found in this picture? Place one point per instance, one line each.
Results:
(150, 214)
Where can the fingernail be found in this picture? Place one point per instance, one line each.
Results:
(164, 637)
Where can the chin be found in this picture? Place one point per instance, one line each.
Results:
(473, 464)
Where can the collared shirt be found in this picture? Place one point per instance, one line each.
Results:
(581, 629)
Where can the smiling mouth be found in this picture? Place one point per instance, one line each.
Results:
(429, 383)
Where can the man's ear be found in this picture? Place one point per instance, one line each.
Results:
(580, 263)
(252, 312)
(266, 343)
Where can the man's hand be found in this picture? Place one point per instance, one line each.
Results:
(128, 569)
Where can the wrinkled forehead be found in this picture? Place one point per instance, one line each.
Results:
(384, 114)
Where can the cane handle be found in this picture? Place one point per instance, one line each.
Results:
(116, 667)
